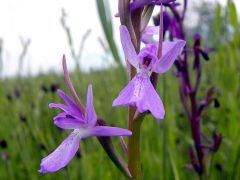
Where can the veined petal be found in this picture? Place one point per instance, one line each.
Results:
(90, 114)
(146, 38)
(62, 155)
(68, 101)
(68, 122)
(60, 106)
(67, 109)
(109, 131)
(151, 101)
(151, 30)
(128, 47)
(170, 52)
(133, 92)
(140, 93)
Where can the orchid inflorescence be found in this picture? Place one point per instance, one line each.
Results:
(140, 95)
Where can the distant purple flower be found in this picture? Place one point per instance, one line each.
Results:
(141, 3)
(84, 125)
(140, 92)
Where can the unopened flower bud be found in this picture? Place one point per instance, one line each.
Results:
(217, 139)
(22, 117)
(44, 88)
(3, 144)
(204, 55)
(197, 40)
(9, 97)
(216, 103)
(54, 87)
(218, 167)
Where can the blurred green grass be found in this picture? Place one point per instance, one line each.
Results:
(27, 125)
(164, 144)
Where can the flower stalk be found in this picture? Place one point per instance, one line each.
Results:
(134, 161)
(188, 95)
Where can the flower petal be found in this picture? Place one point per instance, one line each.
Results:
(90, 114)
(148, 33)
(170, 52)
(69, 102)
(151, 30)
(140, 93)
(68, 122)
(132, 93)
(62, 155)
(128, 47)
(151, 101)
(68, 110)
(141, 3)
(109, 131)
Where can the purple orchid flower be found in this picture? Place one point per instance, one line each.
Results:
(84, 125)
(140, 92)
(141, 3)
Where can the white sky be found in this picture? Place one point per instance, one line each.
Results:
(40, 21)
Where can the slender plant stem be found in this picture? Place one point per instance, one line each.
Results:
(164, 123)
(134, 163)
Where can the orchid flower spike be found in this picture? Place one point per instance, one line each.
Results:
(141, 3)
(140, 92)
(83, 125)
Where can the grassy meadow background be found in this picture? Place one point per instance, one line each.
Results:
(27, 132)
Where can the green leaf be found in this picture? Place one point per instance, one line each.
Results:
(218, 17)
(106, 21)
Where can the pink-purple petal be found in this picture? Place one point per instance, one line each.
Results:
(140, 93)
(170, 52)
(68, 101)
(62, 155)
(68, 110)
(90, 114)
(128, 47)
(68, 122)
(109, 131)
(151, 30)
(148, 33)
(132, 92)
(152, 102)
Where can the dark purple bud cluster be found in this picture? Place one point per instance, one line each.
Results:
(23, 117)
(53, 87)
(3, 143)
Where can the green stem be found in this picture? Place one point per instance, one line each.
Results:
(134, 160)
(164, 145)
(210, 167)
